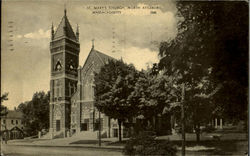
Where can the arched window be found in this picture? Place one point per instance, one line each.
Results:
(85, 91)
(91, 86)
(58, 89)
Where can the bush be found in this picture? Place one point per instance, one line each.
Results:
(146, 144)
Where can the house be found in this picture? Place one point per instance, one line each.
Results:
(12, 125)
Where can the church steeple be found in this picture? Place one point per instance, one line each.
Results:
(64, 50)
(64, 29)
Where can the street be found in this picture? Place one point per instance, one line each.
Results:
(12, 150)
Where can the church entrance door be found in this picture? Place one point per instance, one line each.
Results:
(115, 133)
(84, 126)
(58, 125)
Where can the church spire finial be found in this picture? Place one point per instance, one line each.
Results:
(93, 43)
(65, 10)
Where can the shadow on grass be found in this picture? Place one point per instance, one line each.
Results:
(222, 147)
(117, 143)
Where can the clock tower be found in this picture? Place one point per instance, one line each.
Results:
(64, 50)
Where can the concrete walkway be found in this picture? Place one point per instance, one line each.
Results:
(107, 142)
(68, 142)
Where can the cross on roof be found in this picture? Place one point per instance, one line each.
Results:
(93, 43)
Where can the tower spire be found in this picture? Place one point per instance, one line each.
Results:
(64, 29)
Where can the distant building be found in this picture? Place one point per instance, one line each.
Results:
(12, 125)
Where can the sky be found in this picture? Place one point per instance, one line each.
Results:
(131, 34)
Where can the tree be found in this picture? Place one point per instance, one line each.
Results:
(3, 111)
(36, 113)
(154, 94)
(113, 85)
(210, 56)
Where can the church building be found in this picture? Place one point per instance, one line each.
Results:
(72, 108)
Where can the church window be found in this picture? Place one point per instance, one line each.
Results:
(58, 66)
(12, 122)
(17, 122)
(85, 92)
(71, 89)
(58, 89)
(4, 121)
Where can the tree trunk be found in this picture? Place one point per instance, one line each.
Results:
(109, 127)
(119, 133)
(197, 131)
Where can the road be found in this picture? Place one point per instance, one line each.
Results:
(12, 150)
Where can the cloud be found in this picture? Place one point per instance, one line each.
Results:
(137, 34)
(140, 57)
(40, 34)
(132, 28)
(19, 36)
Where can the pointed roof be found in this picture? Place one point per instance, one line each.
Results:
(65, 29)
(101, 56)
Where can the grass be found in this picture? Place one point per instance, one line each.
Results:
(223, 147)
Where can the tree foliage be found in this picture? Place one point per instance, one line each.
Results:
(35, 113)
(210, 56)
(113, 86)
(153, 93)
(3, 108)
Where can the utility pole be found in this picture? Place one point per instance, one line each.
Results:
(183, 119)
(100, 129)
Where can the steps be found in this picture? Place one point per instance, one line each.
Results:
(86, 135)
(46, 136)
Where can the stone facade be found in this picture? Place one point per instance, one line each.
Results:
(71, 86)
(84, 116)
(64, 49)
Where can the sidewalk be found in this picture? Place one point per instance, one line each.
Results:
(68, 142)
(111, 143)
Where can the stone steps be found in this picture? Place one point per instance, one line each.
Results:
(86, 135)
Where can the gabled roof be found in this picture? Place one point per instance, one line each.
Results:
(103, 57)
(65, 29)
(16, 129)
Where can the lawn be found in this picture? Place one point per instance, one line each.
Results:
(223, 147)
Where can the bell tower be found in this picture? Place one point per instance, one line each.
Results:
(64, 50)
